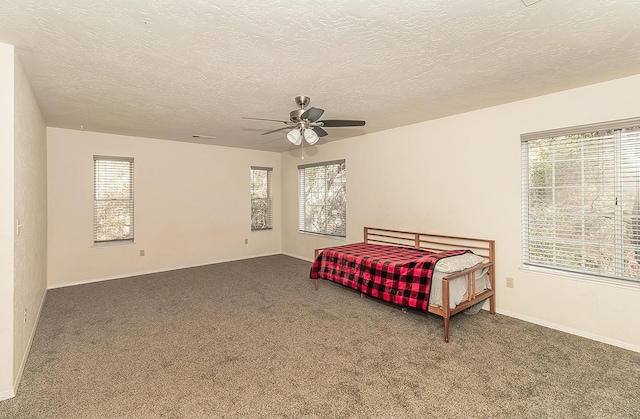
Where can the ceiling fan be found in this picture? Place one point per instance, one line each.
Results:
(304, 123)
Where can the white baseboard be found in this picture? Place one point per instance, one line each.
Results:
(570, 330)
(154, 271)
(25, 356)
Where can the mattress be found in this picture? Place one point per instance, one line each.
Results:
(457, 287)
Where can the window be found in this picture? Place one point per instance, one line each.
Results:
(323, 198)
(581, 199)
(261, 202)
(113, 199)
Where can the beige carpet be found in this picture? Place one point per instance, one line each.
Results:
(253, 339)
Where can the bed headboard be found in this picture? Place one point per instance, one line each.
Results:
(433, 242)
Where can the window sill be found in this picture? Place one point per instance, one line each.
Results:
(328, 236)
(619, 283)
(114, 243)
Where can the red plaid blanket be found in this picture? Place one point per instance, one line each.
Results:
(397, 274)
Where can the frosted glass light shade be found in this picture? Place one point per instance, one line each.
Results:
(294, 137)
(311, 136)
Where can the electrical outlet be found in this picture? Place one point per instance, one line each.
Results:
(25, 315)
(509, 282)
(141, 252)
(246, 241)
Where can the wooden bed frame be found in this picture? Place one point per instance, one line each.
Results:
(439, 243)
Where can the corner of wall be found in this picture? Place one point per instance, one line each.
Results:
(30, 207)
(6, 219)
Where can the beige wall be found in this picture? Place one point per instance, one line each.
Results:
(30, 206)
(192, 206)
(461, 176)
(6, 221)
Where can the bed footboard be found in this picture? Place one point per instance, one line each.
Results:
(472, 299)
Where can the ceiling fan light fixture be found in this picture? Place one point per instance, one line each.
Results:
(310, 136)
(294, 137)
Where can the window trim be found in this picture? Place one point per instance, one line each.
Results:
(558, 270)
(121, 241)
(301, 200)
(269, 171)
(326, 163)
(581, 129)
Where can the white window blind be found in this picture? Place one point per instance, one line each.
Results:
(322, 198)
(261, 201)
(113, 199)
(581, 199)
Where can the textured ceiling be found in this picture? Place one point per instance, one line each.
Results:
(172, 69)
